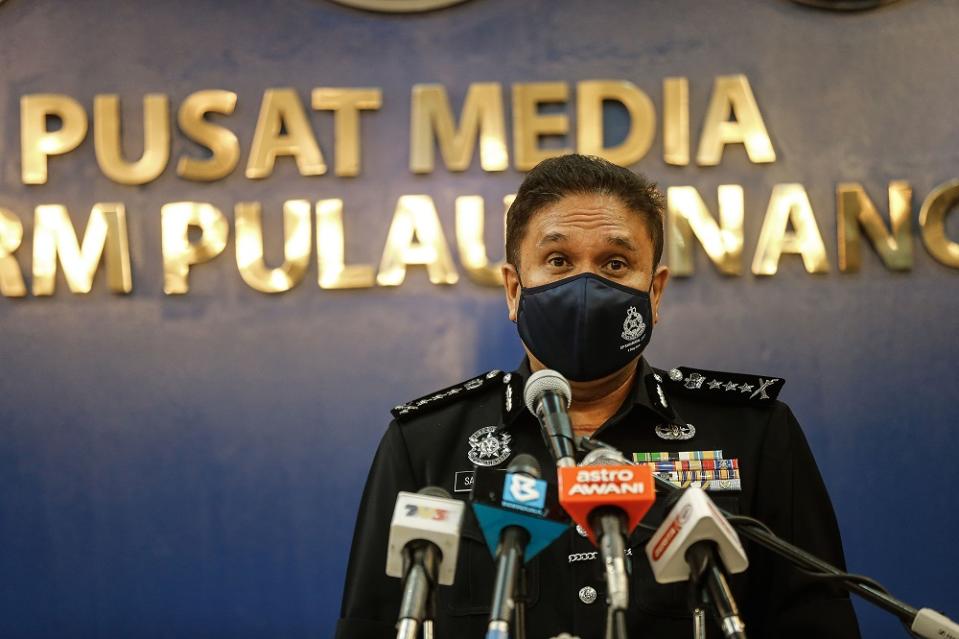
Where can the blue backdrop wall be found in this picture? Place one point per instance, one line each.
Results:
(190, 466)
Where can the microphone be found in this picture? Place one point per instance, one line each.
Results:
(547, 396)
(695, 542)
(608, 497)
(924, 622)
(929, 623)
(519, 518)
(423, 545)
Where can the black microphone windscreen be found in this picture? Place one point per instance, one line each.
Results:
(526, 464)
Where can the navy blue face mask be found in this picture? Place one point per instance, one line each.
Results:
(585, 326)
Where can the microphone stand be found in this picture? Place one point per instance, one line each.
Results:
(615, 623)
(422, 561)
(519, 609)
(428, 630)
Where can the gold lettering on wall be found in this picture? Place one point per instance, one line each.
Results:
(11, 235)
(590, 96)
(688, 215)
(179, 254)
(282, 128)
(529, 124)
(789, 204)
(431, 121)
(296, 246)
(37, 142)
(676, 121)
(54, 236)
(223, 144)
(470, 225)
(854, 208)
(416, 237)
(932, 220)
(346, 105)
(732, 96)
(109, 148)
(334, 272)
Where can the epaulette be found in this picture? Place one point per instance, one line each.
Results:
(723, 386)
(446, 396)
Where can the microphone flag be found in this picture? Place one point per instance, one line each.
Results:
(585, 488)
(501, 499)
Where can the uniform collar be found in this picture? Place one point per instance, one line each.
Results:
(647, 392)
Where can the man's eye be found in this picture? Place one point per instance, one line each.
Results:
(616, 265)
(557, 261)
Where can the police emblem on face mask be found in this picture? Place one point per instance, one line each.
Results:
(487, 448)
(633, 326)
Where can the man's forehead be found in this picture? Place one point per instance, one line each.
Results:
(619, 240)
(603, 215)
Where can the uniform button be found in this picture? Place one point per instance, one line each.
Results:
(582, 531)
(587, 594)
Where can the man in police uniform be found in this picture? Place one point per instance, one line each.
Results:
(584, 285)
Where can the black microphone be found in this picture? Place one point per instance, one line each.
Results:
(423, 545)
(548, 396)
(516, 513)
(708, 577)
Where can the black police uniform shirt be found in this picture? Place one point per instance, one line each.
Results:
(440, 439)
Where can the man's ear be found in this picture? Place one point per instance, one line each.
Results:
(660, 278)
(512, 289)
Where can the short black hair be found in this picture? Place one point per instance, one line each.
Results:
(553, 179)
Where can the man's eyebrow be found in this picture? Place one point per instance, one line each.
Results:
(621, 241)
(553, 237)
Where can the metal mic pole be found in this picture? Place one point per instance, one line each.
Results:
(519, 611)
(699, 623)
(430, 616)
(697, 605)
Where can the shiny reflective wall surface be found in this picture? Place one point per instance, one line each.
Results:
(232, 236)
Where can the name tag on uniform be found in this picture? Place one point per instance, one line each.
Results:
(463, 481)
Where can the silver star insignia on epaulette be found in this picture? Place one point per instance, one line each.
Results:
(745, 388)
(713, 385)
(731, 386)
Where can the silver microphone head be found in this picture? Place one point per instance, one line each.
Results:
(434, 491)
(526, 464)
(543, 381)
(605, 457)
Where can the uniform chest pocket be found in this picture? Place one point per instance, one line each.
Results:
(664, 600)
(472, 590)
